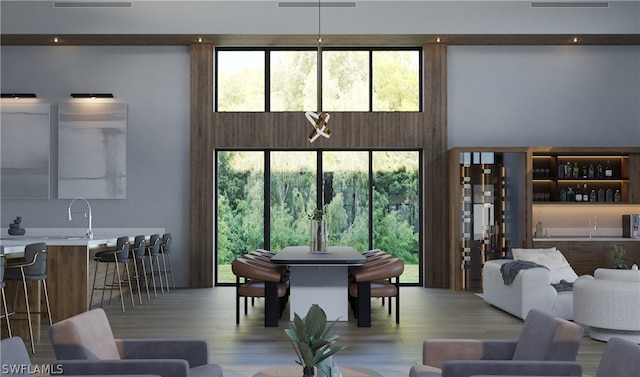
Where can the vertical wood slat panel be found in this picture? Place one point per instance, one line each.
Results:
(435, 168)
(201, 168)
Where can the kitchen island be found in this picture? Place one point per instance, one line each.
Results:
(69, 264)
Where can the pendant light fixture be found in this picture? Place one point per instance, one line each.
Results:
(319, 120)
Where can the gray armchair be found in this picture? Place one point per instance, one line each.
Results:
(85, 344)
(547, 346)
(16, 362)
(621, 358)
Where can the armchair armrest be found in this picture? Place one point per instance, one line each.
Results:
(468, 368)
(437, 351)
(194, 351)
(163, 368)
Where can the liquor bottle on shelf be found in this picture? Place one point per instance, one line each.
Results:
(576, 170)
(578, 194)
(561, 170)
(585, 194)
(567, 170)
(609, 195)
(608, 172)
(570, 195)
(599, 171)
(563, 195)
(591, 172)
(617, 197)
(593, 197)
(601, 195)
(584, 172)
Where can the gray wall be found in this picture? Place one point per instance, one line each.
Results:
(154, 82)
(498, 96)
(544, 96)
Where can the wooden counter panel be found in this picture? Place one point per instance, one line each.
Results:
(67, 280)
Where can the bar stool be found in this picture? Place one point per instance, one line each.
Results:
(136, 253)
(34, 268)
(165, 249)
(153, 252)
(116, 257)
(4, 297)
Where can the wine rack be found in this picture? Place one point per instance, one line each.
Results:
(482, 213)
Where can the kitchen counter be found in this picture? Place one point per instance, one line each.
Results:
(13, 246)
(587, 238)
(70, 266)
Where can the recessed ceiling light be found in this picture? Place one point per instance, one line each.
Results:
(575, 40)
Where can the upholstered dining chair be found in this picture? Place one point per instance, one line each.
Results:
(85, 343)
(256, 279)
(547, 346)
(373, 280)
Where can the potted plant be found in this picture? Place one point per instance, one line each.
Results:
(312, 341)
(619, 257)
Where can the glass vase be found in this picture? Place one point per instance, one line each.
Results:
(318, 236)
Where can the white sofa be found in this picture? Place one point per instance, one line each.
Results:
(531, 289)
(609, 304)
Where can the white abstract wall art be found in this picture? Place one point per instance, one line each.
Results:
(92, 150)
(25, 148)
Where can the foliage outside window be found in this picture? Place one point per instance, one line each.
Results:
(353, 80)
(347, 185)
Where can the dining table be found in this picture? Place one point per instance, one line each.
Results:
(319, 278)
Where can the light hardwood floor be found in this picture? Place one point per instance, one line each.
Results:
(249, 347)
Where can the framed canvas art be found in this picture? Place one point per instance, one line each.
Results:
(92, 150)
(25, 150)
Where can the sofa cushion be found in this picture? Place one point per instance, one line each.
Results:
(617, 275)
(550, 258)
(86, 336)
(545, 337)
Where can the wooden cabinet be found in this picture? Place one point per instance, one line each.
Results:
(526, 191)
(585, 256)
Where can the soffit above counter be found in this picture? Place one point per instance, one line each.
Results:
(309, 40)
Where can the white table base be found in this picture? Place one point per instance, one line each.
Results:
(323, 285)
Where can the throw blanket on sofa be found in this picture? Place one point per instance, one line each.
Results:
(510, 270)
(563, 286)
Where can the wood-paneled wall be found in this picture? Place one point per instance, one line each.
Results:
(417, 130)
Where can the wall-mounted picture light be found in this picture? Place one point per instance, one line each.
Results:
(18, 95)
(92, 95)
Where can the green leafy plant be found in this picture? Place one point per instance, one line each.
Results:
(619, 257)
(317, 214)
(311, 339)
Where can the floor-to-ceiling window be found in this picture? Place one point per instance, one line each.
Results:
(264, 198)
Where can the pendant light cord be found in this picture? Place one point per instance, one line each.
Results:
(319, 62)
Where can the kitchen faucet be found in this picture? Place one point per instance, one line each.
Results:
(89, 230)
